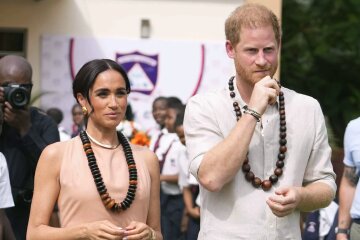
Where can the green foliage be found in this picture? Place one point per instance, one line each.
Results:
(321, 56)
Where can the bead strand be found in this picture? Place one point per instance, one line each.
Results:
(246, 168)
(109, 202)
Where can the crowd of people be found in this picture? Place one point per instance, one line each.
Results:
(241, 162)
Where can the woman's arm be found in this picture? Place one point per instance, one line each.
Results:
(151, 230)
(154, 209)
(46, 192)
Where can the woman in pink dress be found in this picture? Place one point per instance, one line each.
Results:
(105, 187)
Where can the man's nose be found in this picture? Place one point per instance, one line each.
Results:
(260, 59)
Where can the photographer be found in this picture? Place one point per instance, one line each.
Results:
(26, 132)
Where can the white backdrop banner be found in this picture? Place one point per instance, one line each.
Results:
(155, 68)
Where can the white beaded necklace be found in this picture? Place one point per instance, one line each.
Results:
(107, 146)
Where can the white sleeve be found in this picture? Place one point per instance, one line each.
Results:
(6, 199)
(183, 169)
(202, 131)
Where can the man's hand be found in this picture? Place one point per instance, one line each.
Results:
(264, 93)
(2, 96)
(285, 201)
(341, 236)
(17, 118)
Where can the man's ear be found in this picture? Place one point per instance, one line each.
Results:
(229, 49)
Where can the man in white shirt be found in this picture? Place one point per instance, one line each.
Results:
(258, 166)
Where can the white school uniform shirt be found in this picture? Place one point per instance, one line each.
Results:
(64, 136)
(164, 143)
(172, 153)
(185, 177)
(6, 199)
(153, 133)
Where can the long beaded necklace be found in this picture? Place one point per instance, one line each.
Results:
(249, 175)
(109, 202)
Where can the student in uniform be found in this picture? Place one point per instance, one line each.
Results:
(169, 153)
(188, 184)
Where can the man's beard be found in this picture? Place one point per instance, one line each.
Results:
(250, 76)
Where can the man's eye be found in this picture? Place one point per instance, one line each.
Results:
(268, 50)
(252, 50)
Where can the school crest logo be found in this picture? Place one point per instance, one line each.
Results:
(142, 70)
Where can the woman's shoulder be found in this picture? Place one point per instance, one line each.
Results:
(145, 154)
(143, 150)
(56, 150)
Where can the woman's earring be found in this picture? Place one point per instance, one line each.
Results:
(84, 110)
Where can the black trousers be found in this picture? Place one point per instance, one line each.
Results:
(172, 207)
(19, 217)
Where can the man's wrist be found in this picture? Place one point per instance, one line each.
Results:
(153, 234)
(342, 231)
(252, 112)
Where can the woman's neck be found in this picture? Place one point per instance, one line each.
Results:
(103, 136)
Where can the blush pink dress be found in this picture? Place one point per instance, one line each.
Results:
(79, 202)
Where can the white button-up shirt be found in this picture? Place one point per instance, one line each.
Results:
(169, 151)
(6, 199)
(238, 210)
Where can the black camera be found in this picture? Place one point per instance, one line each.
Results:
(17, 95)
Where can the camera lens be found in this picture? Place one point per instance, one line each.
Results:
(18, 97)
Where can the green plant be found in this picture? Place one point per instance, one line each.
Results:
(321, 56)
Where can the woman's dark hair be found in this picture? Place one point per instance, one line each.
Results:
(86, 76)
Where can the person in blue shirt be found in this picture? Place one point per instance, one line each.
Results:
(349, 195)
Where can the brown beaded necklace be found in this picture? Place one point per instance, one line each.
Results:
(249, 175)
(100, 185)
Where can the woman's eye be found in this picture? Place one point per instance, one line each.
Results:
(102, 94)
(121, 93)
